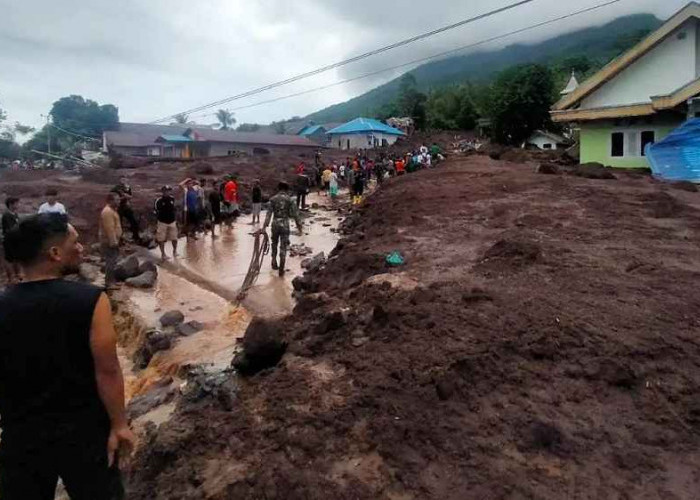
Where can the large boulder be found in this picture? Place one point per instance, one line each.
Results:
(147, 266)
(594, 170)
(172, 318)
(127, 268)
(145, 280)
(263, 347)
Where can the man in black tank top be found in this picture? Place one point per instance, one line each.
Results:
(61, 386)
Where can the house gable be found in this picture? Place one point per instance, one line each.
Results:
(667, 67)
(687, 17)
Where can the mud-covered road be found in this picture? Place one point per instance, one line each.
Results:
(541, 341)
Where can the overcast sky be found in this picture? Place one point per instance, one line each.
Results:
(158, 57)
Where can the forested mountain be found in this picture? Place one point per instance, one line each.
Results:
(597, 45)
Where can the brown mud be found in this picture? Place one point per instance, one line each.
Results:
(541, 341)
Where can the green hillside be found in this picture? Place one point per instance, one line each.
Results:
(598, 44)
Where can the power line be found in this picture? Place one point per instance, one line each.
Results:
(349, 61)
(424, 59)
(74, 133)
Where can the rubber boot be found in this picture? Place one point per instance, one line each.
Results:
(282, 263)
(274, 263)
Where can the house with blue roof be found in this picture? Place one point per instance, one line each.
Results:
(316, 133)
(364, 133)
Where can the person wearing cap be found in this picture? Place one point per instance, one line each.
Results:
(283, 208)
(167, 220)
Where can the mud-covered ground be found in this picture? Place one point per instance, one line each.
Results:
(541, 341)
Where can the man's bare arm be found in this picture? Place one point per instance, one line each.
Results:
(108, 373)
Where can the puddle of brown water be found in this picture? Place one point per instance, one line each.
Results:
(221, 264)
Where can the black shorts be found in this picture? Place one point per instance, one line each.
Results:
(80, 461)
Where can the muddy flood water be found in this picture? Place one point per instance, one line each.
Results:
(203, 283)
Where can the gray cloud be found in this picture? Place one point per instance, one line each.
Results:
(159, 57)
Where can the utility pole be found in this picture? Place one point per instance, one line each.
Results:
(48, 130)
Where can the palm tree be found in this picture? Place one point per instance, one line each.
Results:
(180, 119)
(226, 119)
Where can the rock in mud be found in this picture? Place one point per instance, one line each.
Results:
(145, 280)
(446, 386)
(315, 263)
(380, 315)
(359, 341)
(517, 252)
(548, 169)
(302, 283)
(219, 385)
(330, 322)
(544, 436)
(158, 396)
(263, 347)
(147, 266)
(157, 341)
(154, 342)
(594, 170)
(189, 328)
(127, 268)
(172, 318)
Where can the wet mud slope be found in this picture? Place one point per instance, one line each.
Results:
(541, 341)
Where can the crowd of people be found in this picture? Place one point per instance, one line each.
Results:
(357, 172)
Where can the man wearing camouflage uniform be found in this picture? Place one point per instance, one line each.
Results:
(284, 208)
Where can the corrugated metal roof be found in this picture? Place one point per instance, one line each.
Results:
(364, 125)
(311, 130)
(128, 139)
(249, 138)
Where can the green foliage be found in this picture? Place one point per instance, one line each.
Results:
(598, 44)
(451, 108)
(40, 141)
(226, 119)
(84, 116)
(248, 127)
(520, 100)
(9, 149)
(411, 102)
(279, 127)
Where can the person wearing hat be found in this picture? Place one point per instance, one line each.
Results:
(283, 208)
(166, 214)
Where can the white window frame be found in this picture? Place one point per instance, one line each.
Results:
(637, 133)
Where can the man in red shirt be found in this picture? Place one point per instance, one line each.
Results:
(231, 198)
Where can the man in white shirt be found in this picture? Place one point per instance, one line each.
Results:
(52, 206)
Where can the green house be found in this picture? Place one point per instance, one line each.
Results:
(640, 97)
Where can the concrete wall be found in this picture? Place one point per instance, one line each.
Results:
(223, 148)
(129, 151)
(361, 141)
(596, 141)
(666, 68)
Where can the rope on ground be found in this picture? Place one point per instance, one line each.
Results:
(261, 248)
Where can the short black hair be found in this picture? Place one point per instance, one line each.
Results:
(11, 200)
(51, 192)
(283, 186)
(25, 242)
